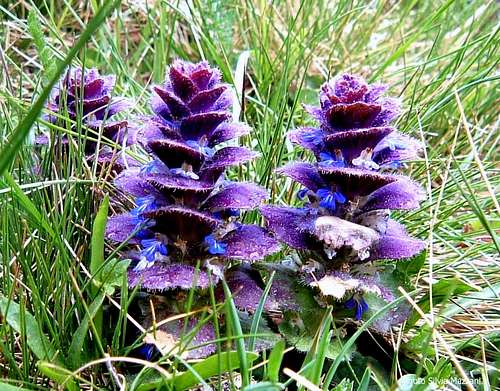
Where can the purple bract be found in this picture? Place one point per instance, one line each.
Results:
(186, 211)
(349, 191)
(87, 95)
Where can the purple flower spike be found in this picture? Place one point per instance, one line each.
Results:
(346, 221)
(87, 95)
(184, 223)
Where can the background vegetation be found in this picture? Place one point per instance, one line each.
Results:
(440, 57)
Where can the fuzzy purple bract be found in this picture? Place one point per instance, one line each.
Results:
(348, 193)
(184, 229)
(86, 95)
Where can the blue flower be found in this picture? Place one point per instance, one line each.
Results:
(364, 160)
(214, 247)
(201, 147)
(329, 199)
(227, 213)
(394, 165)
(302, 193)
(141, 226)
(147, 350)
(359, 303)
(144, 204)
(153, 167)
(152, 249)
(315, 137)
(186, 171)
(328, 160)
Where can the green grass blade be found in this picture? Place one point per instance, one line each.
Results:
(76, 355)
(258, 314)
(8, 152)
(236, 326)
(275, 360)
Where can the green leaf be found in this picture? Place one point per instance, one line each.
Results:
(97, 260)
(113, 273)
(209, 367)
(35, 338)
(59, 374)
(8, 153)
(275, 359)
(10, 387)
(344, 385)
(300, 328)
(264, 386)
(97, 241)
(76, 354)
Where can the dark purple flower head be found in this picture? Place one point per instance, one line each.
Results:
(186, 211)
(349, 192)
(87, 95)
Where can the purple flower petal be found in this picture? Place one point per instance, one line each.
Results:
(130, 181)
(175, 153)
(354, 182)
(215, 99)
(353, 115)
(162, 277)
(176, 107)
(391, 108)
(91, 90)
(229, 156)
(340, 284)
(116, 159)
(245, 290)
(339, 235)
(249, 243)
(182, 84)
(309, 138)
(170, 184)
(303, 173)
(397, 147)
(400, 194)
(91, 105)
(345, 88)
(236, 196)
(201, 124)
(116, 106)
(283, 293)
(396, 244)
(153, 130)
(353, 142)
(205, 334)
(291, 225)
(227, 131)
(120, 227)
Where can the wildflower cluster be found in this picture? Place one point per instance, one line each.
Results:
(184, 226)
(86, 95)
(348, 194)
